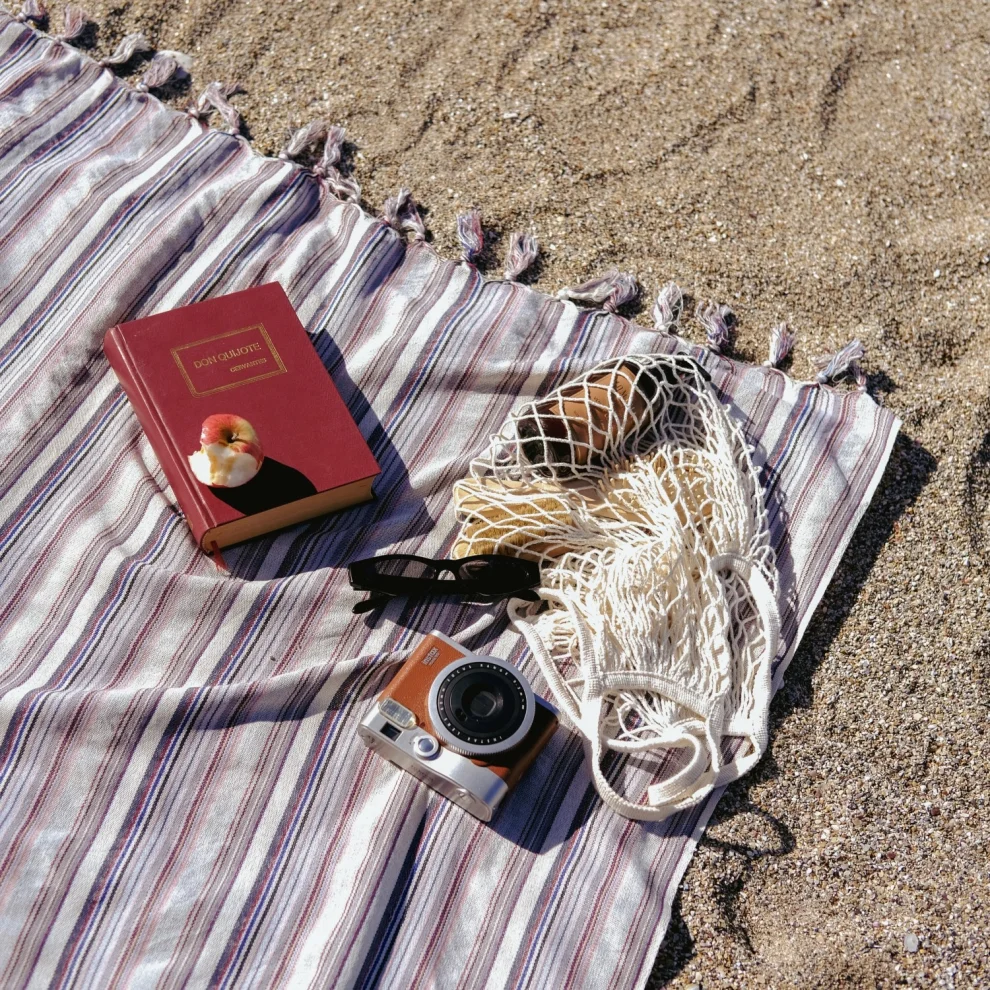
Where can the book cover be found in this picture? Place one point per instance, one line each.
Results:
(242, 357)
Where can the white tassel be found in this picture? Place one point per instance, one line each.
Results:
(523, 251)
(76, 20)
(184, 61)
(470, 234)
(400, 212)
(781, 342)
(858, 375)
(215, 97)
(717, 321)
(165, 67)
(32, 10)
(625, 290)
(333, 147)
(668, 308)
(610, 291)
(594, 291)
(128, 47)
(219, 94)
(305, 137)
(200, 108)
(342, 186)
(844, 361)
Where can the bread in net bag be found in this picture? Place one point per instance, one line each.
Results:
(634, 490)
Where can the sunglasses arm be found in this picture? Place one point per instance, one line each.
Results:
(374, 600)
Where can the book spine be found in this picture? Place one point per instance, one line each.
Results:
(173, 464)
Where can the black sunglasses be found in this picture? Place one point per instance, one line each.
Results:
(486, 577)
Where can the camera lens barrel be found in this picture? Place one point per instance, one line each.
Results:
(481, 705)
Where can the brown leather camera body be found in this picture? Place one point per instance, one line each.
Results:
(411, 686)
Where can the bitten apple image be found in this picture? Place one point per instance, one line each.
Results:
(230, 453)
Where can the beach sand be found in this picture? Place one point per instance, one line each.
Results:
(820, 162)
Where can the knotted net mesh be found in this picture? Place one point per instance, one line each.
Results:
(634, 490)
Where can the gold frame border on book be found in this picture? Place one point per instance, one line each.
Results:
(230, 333)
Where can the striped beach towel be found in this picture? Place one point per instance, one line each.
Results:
(183, 797)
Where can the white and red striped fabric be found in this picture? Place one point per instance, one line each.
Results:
(183, 797)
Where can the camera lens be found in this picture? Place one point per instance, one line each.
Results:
(480, 705)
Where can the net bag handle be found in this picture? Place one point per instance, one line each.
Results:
(695, 780)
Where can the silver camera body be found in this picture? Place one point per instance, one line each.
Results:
(466, 725)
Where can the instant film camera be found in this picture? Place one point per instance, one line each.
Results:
(467, 725)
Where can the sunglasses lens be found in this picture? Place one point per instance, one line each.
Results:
(404, 568)
(476, 570)
(498, 574)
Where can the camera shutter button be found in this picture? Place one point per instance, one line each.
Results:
(425, 747)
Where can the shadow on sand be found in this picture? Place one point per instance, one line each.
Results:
(907, 473)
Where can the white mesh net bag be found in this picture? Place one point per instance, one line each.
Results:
(634, 490)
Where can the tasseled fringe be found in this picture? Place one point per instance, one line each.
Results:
(470, 234)
(400, 212)
(33, 10)
(668, 308)
(333, 148)
(595, 290)
(342, 186)
(76, 20)
(214, 97)
(844, 361)
(717, 321)
(858, 375)
(625, 291)
(164, 67)
(610, 291)
(305, 137)
(129, 46)
(523, 251)
(781, 342)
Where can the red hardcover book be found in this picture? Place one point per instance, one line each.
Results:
(242, 357)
